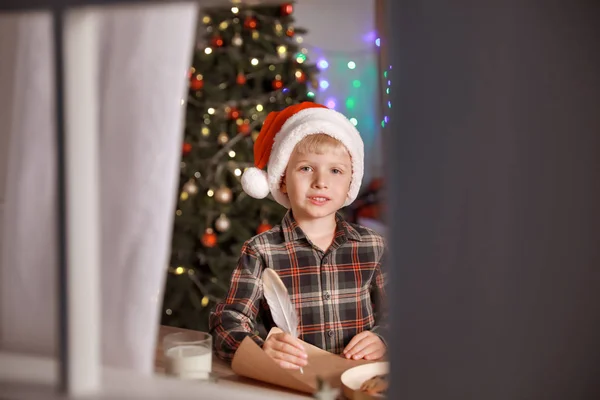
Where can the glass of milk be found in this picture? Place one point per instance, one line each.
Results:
(188, 355)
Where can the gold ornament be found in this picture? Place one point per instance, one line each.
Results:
(222, 223)
(223, 195)
(255, 135)
(278, 28)
(190, 187)
(223, 138)
(205, 300)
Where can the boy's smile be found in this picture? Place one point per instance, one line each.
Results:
(317, 184)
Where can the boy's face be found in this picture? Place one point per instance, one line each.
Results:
(317, 184)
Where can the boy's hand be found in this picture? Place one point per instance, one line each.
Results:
(286, 350)
(365, 345)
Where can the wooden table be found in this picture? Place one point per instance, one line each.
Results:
(221, 371)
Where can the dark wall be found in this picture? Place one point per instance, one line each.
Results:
(493, 161)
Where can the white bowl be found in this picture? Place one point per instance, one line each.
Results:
(354, 377)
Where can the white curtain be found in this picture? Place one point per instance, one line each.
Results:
(145, 52)
(27, 186)
(145, 57)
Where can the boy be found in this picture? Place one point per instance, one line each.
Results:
(330, 267)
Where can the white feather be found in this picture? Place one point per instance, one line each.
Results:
(282, 309)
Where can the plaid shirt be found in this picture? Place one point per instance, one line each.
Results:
(335, 292)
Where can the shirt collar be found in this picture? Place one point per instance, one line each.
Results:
(292, 231)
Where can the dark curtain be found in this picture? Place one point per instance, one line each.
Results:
(493, 163)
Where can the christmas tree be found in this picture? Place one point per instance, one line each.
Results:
(249, 62)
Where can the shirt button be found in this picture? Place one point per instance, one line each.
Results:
(330, 333)
(327, 296)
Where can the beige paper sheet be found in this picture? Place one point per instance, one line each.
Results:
(252, 362)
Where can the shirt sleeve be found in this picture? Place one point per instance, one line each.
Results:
(379, 296)
(234, 319)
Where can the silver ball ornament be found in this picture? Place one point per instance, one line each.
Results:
(223, 195)
(222, 223)
(190, 187)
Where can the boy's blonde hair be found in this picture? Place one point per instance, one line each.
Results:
(318, 144)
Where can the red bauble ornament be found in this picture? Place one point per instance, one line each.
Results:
(277, 84)
(250, 23)
(290, 31)
(263, 227)
(196, 84)
(287, 9)
(301, 77)
(244, 128)
(234, 113)
(209, 239)
(217, 41)
(372, 211)
(376, 184)
(241, 79)
(186, 149)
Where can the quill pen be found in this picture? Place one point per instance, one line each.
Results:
(282, 309)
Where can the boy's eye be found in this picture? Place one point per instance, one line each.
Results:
(306, 169)
(336, 171)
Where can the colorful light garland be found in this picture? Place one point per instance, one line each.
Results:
(350, 82)
(387, 101)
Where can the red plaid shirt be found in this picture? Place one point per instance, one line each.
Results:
(336, 293)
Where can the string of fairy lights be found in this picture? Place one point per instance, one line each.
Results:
(387, 106)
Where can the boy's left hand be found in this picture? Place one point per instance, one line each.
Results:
(365, 345)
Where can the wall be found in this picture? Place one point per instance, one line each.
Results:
(340, 31)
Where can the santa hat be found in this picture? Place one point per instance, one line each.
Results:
(280, 133)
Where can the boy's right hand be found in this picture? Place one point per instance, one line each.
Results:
(286, 350)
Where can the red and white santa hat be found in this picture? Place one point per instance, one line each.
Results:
(280, 133)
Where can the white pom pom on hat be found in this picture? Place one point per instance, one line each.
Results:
(256, 183)
(280, 133)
